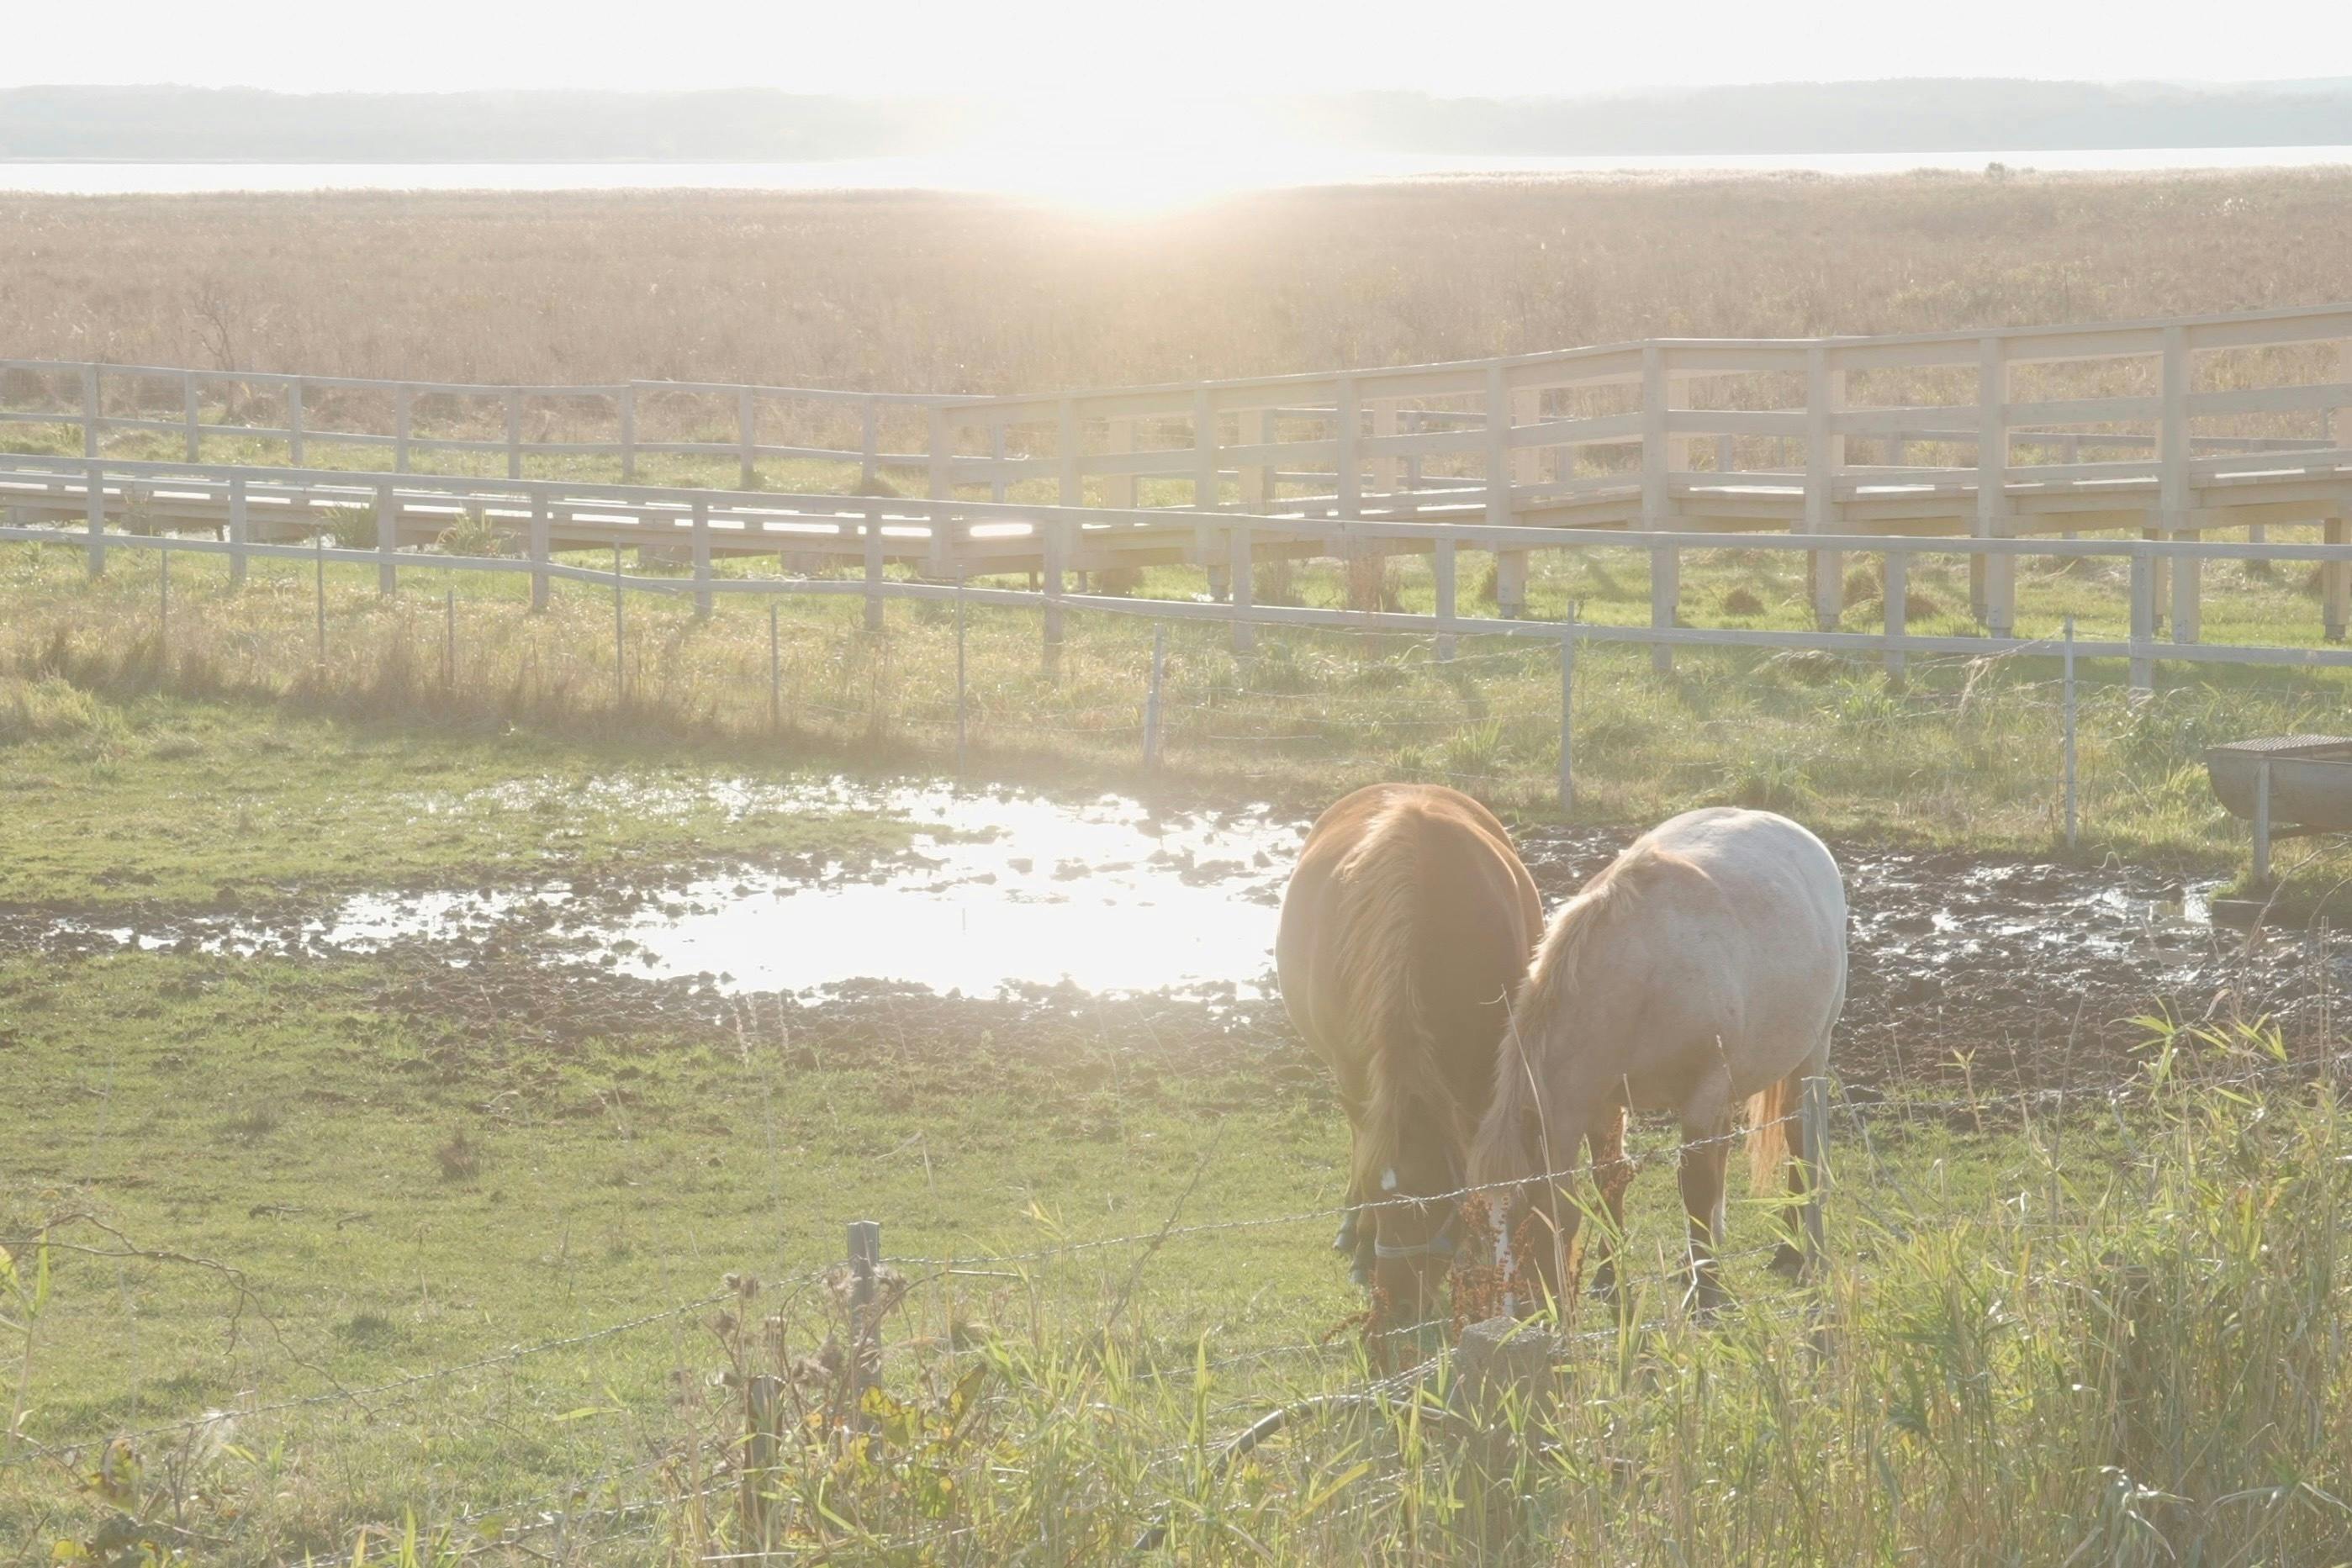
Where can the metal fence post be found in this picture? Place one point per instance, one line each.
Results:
(319, 582)
(387, 541)
(238, 523)
(537, 543)
(1151, 696)
(2263, 822)
(94, 511)
(1568, 711)
(864, 1325)
(960, 680)
(701, 548)
(775, 672)
(2071, 823)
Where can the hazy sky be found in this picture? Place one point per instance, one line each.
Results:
(1143, 49)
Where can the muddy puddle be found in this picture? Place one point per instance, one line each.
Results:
(1006, 891)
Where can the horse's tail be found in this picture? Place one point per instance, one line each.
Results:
(1383, 892)
(1768, 1115)
(1506, 1149)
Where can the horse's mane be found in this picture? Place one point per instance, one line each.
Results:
(1505, 1147)
(1381, 880)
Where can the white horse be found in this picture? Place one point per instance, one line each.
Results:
(1704, 966)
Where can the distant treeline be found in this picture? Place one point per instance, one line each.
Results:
(177, 123)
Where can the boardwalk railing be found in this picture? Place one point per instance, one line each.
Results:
(2023, 441)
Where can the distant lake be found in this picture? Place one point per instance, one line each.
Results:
(1123, 177)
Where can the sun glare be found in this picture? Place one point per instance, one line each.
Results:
(1135, 158)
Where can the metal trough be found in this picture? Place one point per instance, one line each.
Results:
(2287, 786)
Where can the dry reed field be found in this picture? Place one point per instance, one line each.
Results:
(938, 293)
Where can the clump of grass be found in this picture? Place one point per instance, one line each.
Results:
(459, 1156)
(1742, 602)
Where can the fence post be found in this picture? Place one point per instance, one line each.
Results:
(869, 444)
(873, 541)
(747, 436)
(938, 458)
(1208, 491)
(294, 423)
(2334, 578)
(2142, 616)
(188, 412)
(1895, 602)
(404, 412)
(1385, 467)
(514, 432)
(2070, 835)
(702, 552)
(1824, 462)
(2172, 483)
(90, 402)
(1053, 563)
(1666, 592)
(1441, 566)
(629, 433)
(387, 541)
(620, 646)
(1568, 711)
(1239, 562)
(2263, 822)
(1510, 565)
(960, 680)
(537, 543)
(775, 672)
(1347, 493)
(1151, 696)
(865, 1327)
(1998, 610)
(237, 525)
(318, 583)
(94, 511)
(1119, 489)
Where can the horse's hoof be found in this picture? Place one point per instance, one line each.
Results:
(1787, 1262)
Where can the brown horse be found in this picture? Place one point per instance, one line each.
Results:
(1704, 968)
(1405, 929)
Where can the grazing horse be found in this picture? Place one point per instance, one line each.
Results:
(1704, 966)
(1405, 929)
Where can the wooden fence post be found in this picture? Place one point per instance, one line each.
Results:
(387, 541)
(1208, 491)
(536, 543)
(1347, 420)
(2172, 483)
(1666, 563)
(1385, 467)
(240, 523)
(1151, 719)
(1665, 593)
(90, 442)
(864, 1324)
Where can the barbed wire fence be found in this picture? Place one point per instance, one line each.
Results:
(588, 1508)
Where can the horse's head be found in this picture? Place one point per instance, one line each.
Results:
(1415, 1224)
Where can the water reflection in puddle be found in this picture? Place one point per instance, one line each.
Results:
(1000, 889)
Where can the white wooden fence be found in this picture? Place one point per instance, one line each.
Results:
(2138, 440)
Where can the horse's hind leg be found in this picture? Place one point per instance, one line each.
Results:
(1704, 1156)
(1611, 1174)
